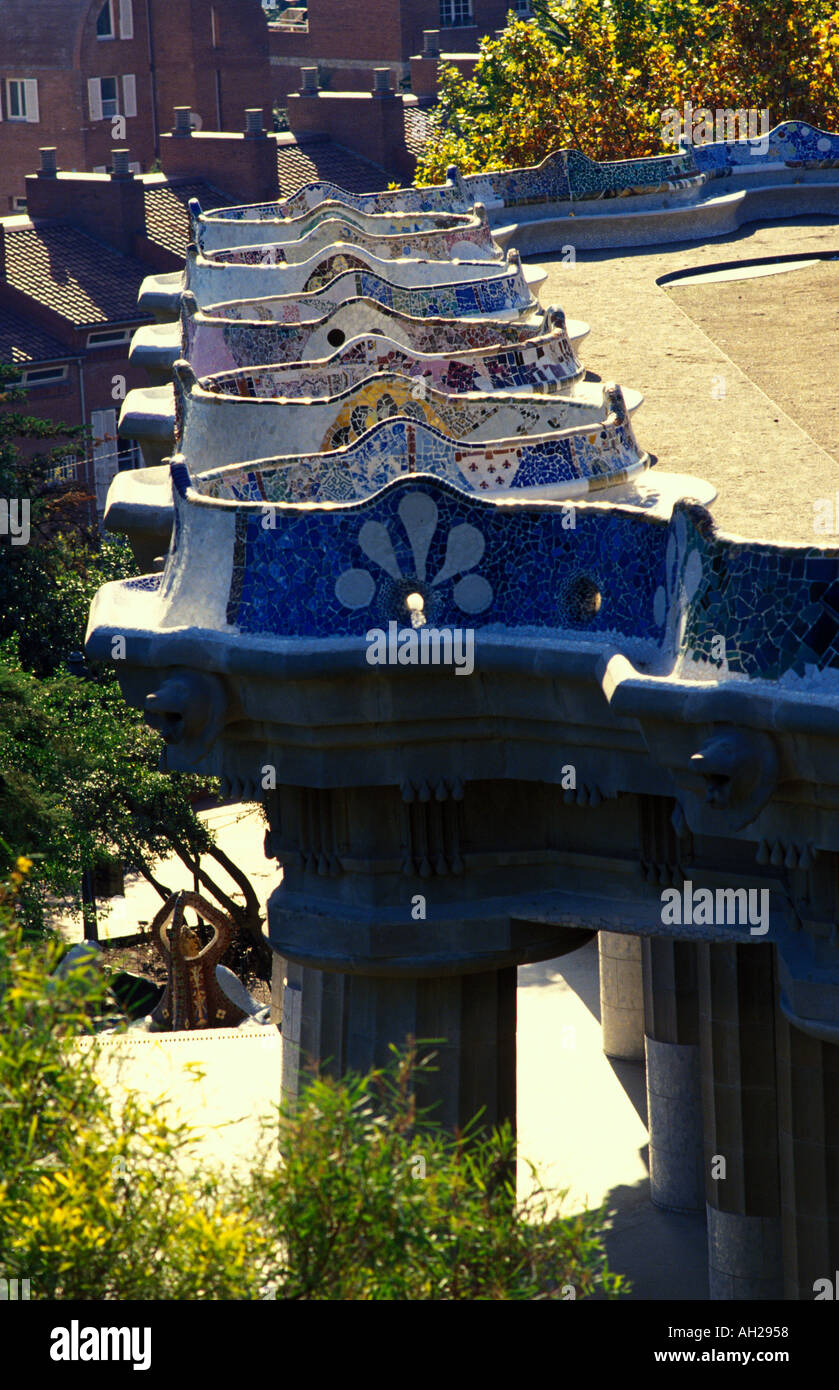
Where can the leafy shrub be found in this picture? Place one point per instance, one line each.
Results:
(370, 1199)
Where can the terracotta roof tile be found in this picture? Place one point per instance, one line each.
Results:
(69, 272)
(167, 218)
(21, 341)
(317, 160)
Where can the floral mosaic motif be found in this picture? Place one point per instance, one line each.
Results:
(419, 514)
(794, 143)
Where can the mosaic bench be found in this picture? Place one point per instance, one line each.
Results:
(549, 362)
(569, 465)
(790, 146)
(212, 235)
(214, 422)
(565, 175)
(488, 288)
(544, 364)
(472, 240)
(665, 588)
(215, 343)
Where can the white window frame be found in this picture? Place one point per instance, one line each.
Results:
(125, 100)
(521, 7)
(105, 38)
(126, 19)
(27, 94)
(456, 14)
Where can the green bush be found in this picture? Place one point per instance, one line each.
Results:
(367, 1198)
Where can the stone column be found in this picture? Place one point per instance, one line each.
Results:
(737, 1044)
(621, 995)
(674, 1105)
(808, 1112)
(347, 1023)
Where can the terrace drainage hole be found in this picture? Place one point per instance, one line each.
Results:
(336, 337)
(583, 599)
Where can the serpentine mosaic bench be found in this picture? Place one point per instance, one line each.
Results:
(662, 198)
(471, 240)
(569, 465)
(792, 146)
(546, 364)
(215, 343)
(657, 589)
(565, 175)
(290, 231)
(521, 357)
(215, 422)
(486, 288)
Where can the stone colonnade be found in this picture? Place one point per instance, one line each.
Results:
(742, 1108)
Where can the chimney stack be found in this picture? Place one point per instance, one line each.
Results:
(183, 121)
(49, 166)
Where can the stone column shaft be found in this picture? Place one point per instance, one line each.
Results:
(621, 995)
(674, 1107)
(737, 1043)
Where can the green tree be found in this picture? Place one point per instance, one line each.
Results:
(596, 76)
(79, 777)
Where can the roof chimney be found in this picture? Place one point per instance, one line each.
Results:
(183, 121)
(381, 86)
(49, 167)
(120, 164)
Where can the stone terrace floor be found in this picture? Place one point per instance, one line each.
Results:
(738, 377)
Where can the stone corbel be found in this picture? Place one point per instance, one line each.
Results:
(189, 709)
(729, 779)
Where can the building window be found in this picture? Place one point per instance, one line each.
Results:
(455, 13)
(108, 88)
(521, 7)
(103, 97)
(39, 376)
(18, 204)
(63, 471)
(22, 99)
(108, 337)
(105, 22)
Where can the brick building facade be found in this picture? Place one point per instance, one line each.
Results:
(69, 69)
(347, 39)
